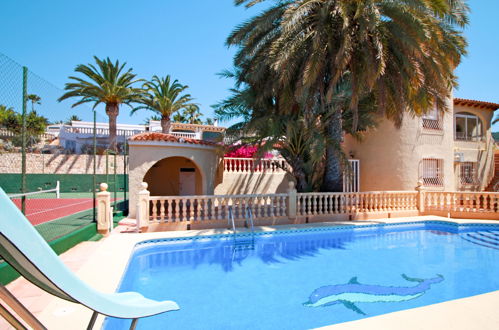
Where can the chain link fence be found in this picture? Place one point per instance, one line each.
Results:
(52, 156)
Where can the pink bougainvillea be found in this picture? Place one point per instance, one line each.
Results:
(245, 152)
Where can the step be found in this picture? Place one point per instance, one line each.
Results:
(484, 238)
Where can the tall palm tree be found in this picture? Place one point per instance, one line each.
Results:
(106, 82)
(403, 53)
(34, 99)
(164, 97)
(192, 114)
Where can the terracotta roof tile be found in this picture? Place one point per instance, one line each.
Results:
(155, 136)
(475, 103)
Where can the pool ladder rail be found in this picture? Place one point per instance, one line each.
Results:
(242, 243)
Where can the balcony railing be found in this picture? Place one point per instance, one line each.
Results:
(462, 136)
(246, 165)
(121, 132)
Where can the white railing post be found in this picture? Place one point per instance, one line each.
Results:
(103, 210)
(143, 208)
(291, 205)
(421, 197)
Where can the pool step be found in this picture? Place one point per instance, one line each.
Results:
(244, 244)
(483, 238)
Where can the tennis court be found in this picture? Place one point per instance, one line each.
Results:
(40, 210)
(48, 205)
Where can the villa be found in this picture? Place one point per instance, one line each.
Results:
(448, 151)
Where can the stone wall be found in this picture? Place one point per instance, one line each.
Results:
(58, 164)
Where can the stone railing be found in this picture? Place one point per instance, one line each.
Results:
(462, 202)
(309, 204)
(213, 210)
(216, 208)
(246, 165)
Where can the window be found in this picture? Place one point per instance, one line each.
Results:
(431, 172)
(432, 119)
(468, 127)
(468, 173)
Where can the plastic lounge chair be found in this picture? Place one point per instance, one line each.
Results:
(25, 250)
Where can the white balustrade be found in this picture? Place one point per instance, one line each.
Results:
(246, 165)
(186, 135)
(167, 209)
(476, 202)
(309, 204)
(291, 205)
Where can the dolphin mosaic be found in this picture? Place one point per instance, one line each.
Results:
(353, 292)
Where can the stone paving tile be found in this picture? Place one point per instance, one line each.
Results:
(36, 299)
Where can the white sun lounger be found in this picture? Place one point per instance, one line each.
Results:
(25, 250)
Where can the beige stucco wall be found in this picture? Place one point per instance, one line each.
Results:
(390, 158)
(144, 154)
(253, 183)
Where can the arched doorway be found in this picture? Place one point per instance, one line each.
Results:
(174, 176)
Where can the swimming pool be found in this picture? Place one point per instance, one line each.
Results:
(301, 279)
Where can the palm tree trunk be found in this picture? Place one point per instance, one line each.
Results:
(165, 124)
(333, 174)
(112, 111)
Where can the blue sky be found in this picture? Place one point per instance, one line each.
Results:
(185, 39)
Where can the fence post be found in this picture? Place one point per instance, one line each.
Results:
(421, 198)
(143, 208)
(291, 207)
(103, 210)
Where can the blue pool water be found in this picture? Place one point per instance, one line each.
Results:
(310, 278)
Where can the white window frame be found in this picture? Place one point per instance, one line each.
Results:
(465, 136)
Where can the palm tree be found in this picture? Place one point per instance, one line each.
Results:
(108, 83)
(192, 114)
(164, 97)
(402, 53)
(34, 99)
(72, 118)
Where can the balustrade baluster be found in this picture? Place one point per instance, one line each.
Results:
(203, 207)
(154, 209)
(162, 210)
(193, 208)
(176, 217)
(169, 210)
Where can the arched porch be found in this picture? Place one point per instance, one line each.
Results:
(174, 176)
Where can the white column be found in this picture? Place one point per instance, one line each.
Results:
(291, 205)
(103, 210)
(143, 208)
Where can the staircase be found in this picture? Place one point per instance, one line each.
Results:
(494, 184)
(488, 239)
